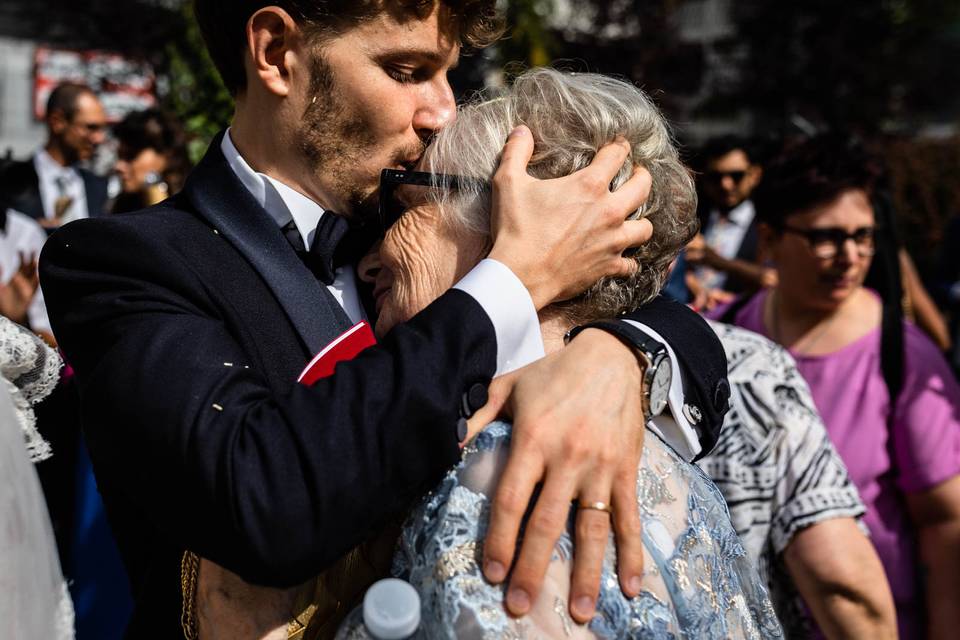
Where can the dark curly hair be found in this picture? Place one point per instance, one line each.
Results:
(223, 24)
(157, 130)
(812, 173)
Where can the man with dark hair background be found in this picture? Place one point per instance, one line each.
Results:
(726, 254)
(187, 325)
(50, 187)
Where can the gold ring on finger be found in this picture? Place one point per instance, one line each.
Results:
(597, 506)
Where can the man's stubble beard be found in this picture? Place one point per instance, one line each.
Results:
(335, 139)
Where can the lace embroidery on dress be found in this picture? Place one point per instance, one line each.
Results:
(35, 602)
(30, 370)
(697, 583)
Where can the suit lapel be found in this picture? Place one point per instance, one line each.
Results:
(96, 192)
(225, 203)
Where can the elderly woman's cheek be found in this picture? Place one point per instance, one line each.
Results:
(420, 269)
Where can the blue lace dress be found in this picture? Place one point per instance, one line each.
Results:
(697, 583)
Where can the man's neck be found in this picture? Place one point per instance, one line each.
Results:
(273, 157)
(56, 152)
(725, 211)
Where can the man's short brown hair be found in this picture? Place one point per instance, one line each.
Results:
(64, 98)
(224, 22)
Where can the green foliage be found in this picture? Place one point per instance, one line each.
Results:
(196, 95)
(634, 39)
(528, 42)
(860, 64)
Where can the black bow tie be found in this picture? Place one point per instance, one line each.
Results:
(334, 245)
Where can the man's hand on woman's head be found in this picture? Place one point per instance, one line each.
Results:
(577, 430)
(560, 236)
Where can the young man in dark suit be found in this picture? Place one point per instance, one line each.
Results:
(726, 255)
(50, 187)
(188, 323)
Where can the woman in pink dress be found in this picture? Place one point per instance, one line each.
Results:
(819, 228)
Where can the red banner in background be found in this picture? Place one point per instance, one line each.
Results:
(123, 84)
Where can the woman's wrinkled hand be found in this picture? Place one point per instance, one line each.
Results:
(560, 236)
(578, 432)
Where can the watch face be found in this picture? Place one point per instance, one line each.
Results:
(660, 387)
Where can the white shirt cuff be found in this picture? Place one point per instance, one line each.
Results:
(510, 308)
(674, 429)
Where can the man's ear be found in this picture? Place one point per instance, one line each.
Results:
(273, 46)
(57, 122)
(754, 174)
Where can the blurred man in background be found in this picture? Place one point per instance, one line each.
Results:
(50, 187)
(725, 255)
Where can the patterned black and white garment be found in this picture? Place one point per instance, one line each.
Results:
(775, 464)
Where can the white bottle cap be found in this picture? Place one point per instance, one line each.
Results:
(391, 610)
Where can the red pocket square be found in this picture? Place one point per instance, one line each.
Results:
(345, 347)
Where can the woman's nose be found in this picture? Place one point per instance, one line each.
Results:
(848, 252)
(370, 265)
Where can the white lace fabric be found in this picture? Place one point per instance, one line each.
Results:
(697, 582)
(34, 601)
(30, 371)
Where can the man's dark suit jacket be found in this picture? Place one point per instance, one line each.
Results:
(187, 325)
(748, 250)
(20, 189)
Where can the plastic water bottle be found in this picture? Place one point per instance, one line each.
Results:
(390, 611)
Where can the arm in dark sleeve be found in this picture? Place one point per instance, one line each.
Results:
(274, 487)
(703, 365)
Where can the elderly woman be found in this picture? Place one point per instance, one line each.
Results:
(893, 414)
(698, 581)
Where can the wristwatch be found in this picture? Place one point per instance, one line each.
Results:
(657, 372)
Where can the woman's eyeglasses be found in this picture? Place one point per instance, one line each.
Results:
(391, 208)
(827, 242)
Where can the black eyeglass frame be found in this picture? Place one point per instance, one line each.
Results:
(717, 177)
(390, 210)
(837, 238)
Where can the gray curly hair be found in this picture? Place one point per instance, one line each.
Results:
(571, 117)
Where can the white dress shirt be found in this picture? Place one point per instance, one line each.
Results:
(23, 236)
(57, 181)
(724, 235)
(491, 283)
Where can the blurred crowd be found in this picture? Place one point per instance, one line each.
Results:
(38, 195)
(842, 477)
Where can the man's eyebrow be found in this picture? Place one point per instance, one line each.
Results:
(431, 55)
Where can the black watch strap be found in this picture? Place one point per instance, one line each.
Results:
(633, 336)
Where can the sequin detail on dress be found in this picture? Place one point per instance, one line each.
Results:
(697, 583)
